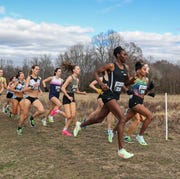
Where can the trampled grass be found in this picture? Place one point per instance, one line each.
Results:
(42, 152)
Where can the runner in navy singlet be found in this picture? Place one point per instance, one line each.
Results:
(55, 87)
(118, 75)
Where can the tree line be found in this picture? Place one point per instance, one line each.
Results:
(100, 51)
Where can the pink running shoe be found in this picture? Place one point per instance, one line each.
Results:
(53, 112)
(66, 132)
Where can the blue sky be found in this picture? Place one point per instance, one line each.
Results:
(154, 25)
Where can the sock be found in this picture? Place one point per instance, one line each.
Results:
(64, 129)
(109, 131)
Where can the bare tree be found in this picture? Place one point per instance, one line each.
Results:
(98, 52)
(114, 40)
(2, 62)
(169, 81)
(100, 43)
(46, 65)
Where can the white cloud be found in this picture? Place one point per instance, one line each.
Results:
(25, 38)
(21, 38)
(161, 46)
(2, 9)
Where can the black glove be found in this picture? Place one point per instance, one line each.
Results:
(150, 86)
(152, 94)
(46, 89)
(129, 92)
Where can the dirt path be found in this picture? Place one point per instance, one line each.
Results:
(42, 152)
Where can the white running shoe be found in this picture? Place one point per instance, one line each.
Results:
(124, 154)
(110, 136)
(44, 122)
(141, 140)
(77, 129)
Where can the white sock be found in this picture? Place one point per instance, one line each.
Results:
(109, 131)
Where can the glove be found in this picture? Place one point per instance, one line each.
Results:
(129, 92)
(46, 89)
(150, 86)
(99, 91)
(152, 94)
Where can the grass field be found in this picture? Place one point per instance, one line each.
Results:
(42, 152)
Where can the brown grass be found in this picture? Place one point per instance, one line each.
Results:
(42, 152)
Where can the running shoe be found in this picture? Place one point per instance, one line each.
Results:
(31, 121)
(141, 140)
(128, 139)
(19, 131)
(124, 154)
(110, 136)
(5, 109)
(44, 122)
(50, 119)
(66, 132)
(77, 129)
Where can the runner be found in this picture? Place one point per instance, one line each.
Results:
(118, 75)
(110, 116)
(6, 107)
(70, 87)
(3, 84)
(17, 101)
(140, 88)
(55, 86)
(137, 117)
(32, 88)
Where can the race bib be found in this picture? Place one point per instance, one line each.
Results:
(58, 88)
(118, 86)
(142, 89)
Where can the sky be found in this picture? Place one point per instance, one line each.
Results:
(37, 27)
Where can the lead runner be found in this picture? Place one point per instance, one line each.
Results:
(118, 75)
